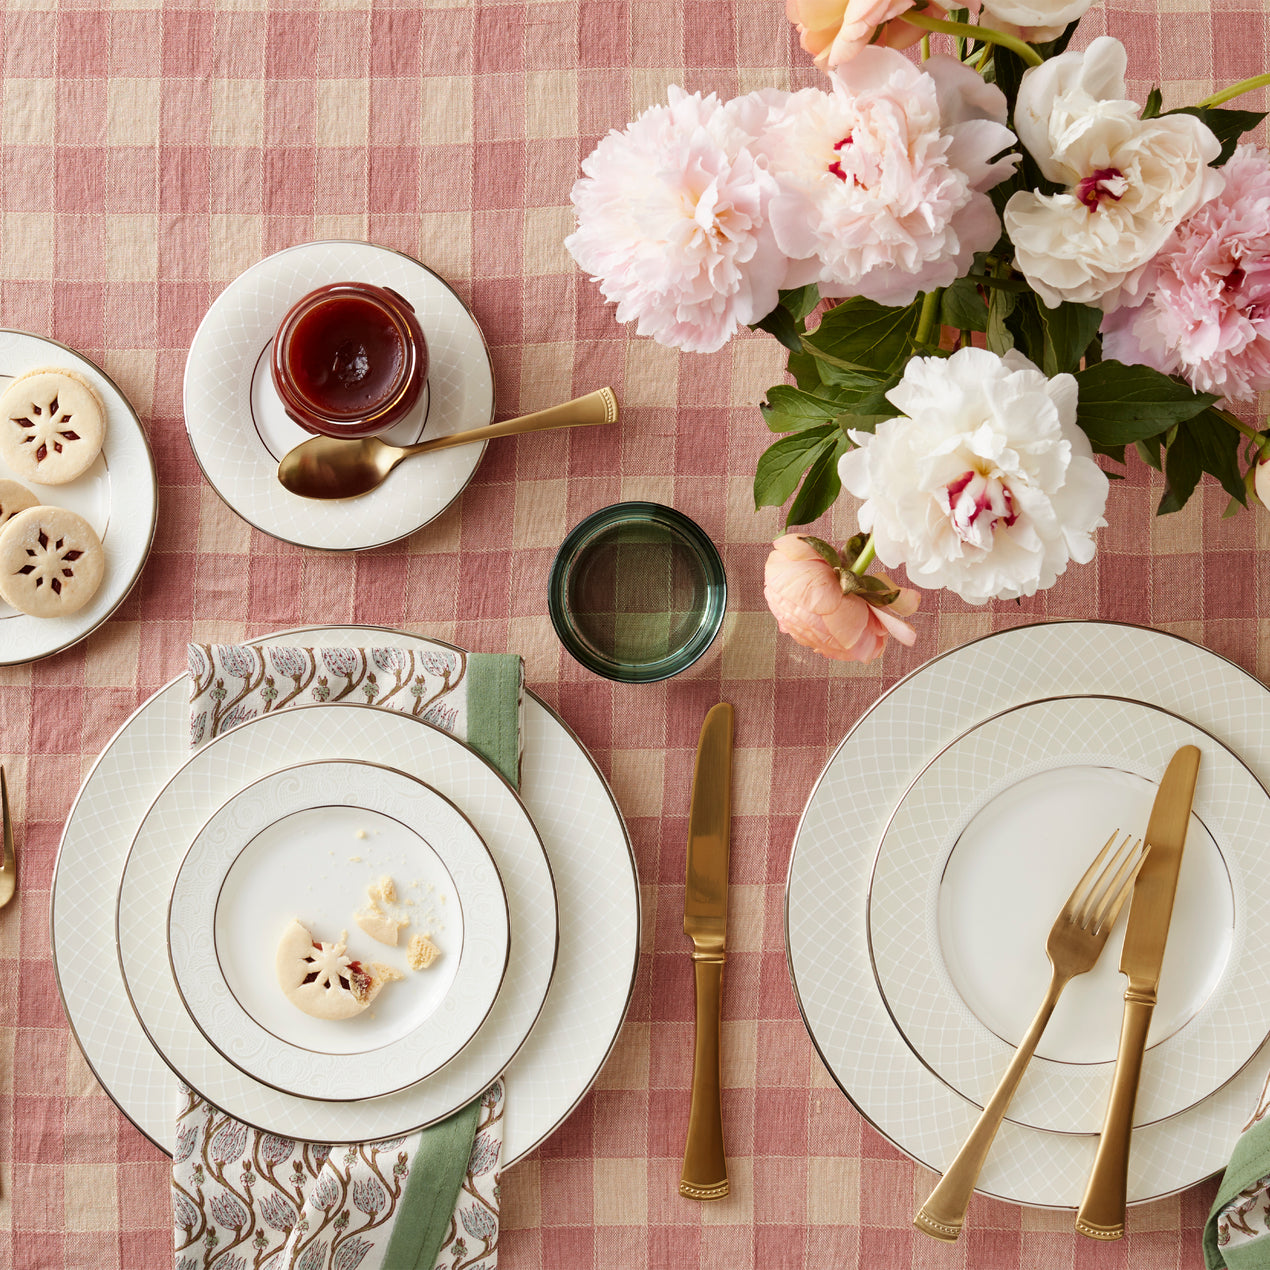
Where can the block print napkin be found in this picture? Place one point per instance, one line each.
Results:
(245, 1199)
(1238, 1231)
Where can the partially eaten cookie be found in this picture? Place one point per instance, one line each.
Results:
(322, 979)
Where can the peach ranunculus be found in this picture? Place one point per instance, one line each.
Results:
(834, 31)
(826, 607)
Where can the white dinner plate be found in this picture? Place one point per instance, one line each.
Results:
(117, 495)
(981, 853)
(313, 733)
(305, 844)
(239, 431)
(833, 857)
(582, 832)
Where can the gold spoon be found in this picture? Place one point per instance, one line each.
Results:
(8, 860)
(339, 467)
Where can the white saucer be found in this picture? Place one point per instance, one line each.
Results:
(304, 844)
(118, 496)
(238, 429)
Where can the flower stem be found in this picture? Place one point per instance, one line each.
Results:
(984, 33)
(864, 559)
(1235, 90)
(1261, 442)
(926, 47)
(926, 319)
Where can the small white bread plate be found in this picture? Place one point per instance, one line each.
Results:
(117, 495)
(238, 429)
(304, 844)
(977, 860)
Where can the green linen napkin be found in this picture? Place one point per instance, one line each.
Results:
(1237, 1234)
(242, 1197)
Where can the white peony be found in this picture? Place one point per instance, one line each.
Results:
(882, 178)
(1033, 20)
(1128, 181)
(672, 223)
(985, 485)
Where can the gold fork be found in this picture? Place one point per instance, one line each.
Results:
(1073, 947)
(8, 861)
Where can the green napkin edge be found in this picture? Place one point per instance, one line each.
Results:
(494, 679)
(1249, 1162)
(432, 1187)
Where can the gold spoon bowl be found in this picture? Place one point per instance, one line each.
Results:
(337, 467)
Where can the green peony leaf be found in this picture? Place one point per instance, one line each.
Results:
(859, 335)
(1181, 473)
(1068, 332)
(781, 466)
(963, 307)
(1121, 404)
(826, 551)
(1217, 445)
(1226, 125)
(792, 410)
(821, 487)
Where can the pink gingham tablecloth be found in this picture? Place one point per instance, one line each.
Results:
(151, 152)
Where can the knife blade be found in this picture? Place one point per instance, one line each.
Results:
(1101, 1212)
(705, 1170)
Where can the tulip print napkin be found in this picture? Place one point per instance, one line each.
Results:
(1238, 1231)
(245, 1199)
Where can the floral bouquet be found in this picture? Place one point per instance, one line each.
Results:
(988, 267)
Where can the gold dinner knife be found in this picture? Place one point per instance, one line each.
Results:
(705, 1171)
(1101, 1212)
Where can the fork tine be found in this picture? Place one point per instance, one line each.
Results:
(1111, 905)
(1075, 901)
(1092, 897)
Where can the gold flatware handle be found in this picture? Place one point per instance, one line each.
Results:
(1101, 1212)
(705, 1170)
(942, 1215)
(8, 856)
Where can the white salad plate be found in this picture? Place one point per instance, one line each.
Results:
(832, 863)
(305, 844)
(117, 495)
(320, 733)
(239, 431)
(1001, 826)
(592, 866)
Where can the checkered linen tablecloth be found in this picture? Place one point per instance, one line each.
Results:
(149, 152)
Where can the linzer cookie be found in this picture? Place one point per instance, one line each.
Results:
(51, 426)
(51, 562)
(14, 498)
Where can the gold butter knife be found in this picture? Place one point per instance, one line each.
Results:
(1101, 1212)
(705, 1170)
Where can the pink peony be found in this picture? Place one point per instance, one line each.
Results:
(672, 223)
(834, 31)
(1207, 314)
(882, 177)
(805, 593)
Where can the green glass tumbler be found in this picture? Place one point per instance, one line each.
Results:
(637, 592)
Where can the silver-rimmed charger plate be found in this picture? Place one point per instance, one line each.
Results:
(118, 496)
(573, 810)
(981, 852)
(833, 855)
(238, 430)
(305, 843)
(318, 733)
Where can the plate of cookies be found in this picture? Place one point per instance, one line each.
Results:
(78, 497)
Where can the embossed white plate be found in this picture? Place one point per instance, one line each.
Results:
(318, 733)
(238, 429)
(304, 844)
(118, 496)
(586, 844)
(826, 895)
(978, 858)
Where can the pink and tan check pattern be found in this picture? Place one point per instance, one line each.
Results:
(148, 153)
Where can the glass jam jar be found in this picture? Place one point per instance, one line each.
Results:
(349, 360)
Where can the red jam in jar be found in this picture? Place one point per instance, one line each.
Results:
(350, 360)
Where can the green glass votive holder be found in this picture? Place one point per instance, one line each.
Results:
(637, 592)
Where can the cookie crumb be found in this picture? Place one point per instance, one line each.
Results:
(422, 952)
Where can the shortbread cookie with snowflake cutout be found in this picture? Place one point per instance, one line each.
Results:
(51, 426)
(51, 562)
(14, 498)
(322, 979)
